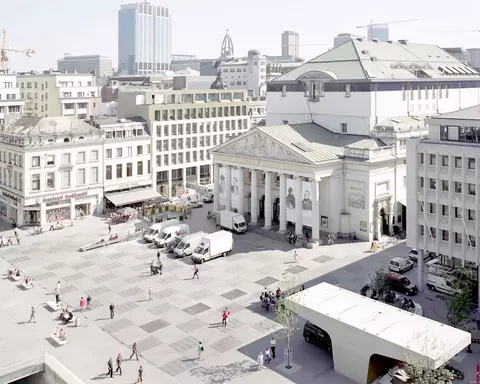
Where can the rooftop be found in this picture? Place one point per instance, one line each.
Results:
(401, 123)
(472, 113)
(110, 120)
(28, 126)
(360, 59)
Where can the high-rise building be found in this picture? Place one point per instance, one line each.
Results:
(379, 31)
(290, 44)
(144, 39)
(102, 65)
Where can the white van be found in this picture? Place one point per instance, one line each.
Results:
(188, 244)
(442, 282)
(157, 228)
(170, 233)
(400, 265)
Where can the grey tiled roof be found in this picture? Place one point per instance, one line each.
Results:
(361, 60)
(472, 113)
(49, 125)
(326, 145)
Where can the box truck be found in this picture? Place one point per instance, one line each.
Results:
(231, 221)
(168, 234)
(188, 244)
(213, 245)
(157, 228)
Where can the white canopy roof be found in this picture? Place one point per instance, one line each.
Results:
(124, 198)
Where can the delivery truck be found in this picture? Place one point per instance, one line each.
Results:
(158, 228)
(188, 244)
(231, 221)
(168, 234)
(213, 245)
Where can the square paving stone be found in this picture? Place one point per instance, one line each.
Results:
(53, 266)
(140, 268)
(68, 289)
(231, 325)
(98, 291)
(202, 294)
(323, 259)
(117, 325)
(161, 309)
(164, 280)
(130, 292)
(264, 326)
(235, 281)
(109, 267)
(154, 325)
(226, 344)
(171, 267)
(235, 294)
(75, 276)
(144, 256)
(191, 325)
(126, 307)
(196, 309)
(165, 293)
(266, 281)
(148, 343)
(178, 366)
(91, 256)
(116, 256)
(44, 276)
(134, 279)
(296, 269)
(83, 265)
(19, 259)
(184, 345)
(107, 277)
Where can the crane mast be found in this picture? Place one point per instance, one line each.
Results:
(4, 52)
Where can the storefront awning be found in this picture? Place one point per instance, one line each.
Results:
(124, 198)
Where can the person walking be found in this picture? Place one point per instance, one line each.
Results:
(83, 304)
(89, 302)
(32, 315)
(119, 363)
(112, 311)
(224, 318)
(295, 256)
(18, 239)
(268, 358)
(150, 292)
(273, 346)
(140, 374)
(58, 285)
(260, 360)
(57, 295)
(158, 256)
(134, 351)
(109, 229)
(110, 367)
(195, 271)
(200, 350)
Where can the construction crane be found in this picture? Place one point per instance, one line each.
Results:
(4, 52)
(371, 25)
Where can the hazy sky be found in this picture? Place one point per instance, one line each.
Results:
(53, 27)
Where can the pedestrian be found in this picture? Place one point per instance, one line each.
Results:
(119, 363)
(109, 229)
(195, 271)
(32, 315)
(224, 318)
(158, 256)
(332, 237)
(112, 311)
(268, 358)
(18, 240)
(295, 256)
(140, 374)
(273, 345)
(134, 351)
(89, 302)
(260, 360)
(57, 295)
(58, 285)
(150, 292)
(200, 350)
(110, 367)
(83, 304)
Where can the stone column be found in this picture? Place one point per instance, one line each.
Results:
(198, 175)
(241, 205)
(216, 183)
(170, 189)
(391, 214)
(72, 208)
(316, 210)
(228, 188)
(268, 201)
(184, 178)
(283, 204)
(298, 207)
(43, 214)
(420, 268)
(254, 199)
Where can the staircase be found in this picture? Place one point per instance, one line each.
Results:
(270, 234)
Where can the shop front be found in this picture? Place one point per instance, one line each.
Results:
(10, 205)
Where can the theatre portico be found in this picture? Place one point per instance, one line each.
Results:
(312, 178)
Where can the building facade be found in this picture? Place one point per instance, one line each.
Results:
(381, 32)
(290, 44)
(59, 94)
(343, 38)
(85, 64)
(443, 203)
(185, 125)
(144, 39)
(11, 102)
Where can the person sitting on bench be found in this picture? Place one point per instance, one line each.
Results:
(17, 273)
(62, 336)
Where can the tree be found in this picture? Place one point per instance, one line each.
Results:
(378, 281)
(286, 315)
(458, 306)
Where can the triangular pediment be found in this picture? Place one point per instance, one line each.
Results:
(258, 145)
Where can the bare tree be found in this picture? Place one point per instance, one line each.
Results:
(286, 314)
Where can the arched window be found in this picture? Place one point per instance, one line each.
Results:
(50, 141)
(66, 140)
(81, 138)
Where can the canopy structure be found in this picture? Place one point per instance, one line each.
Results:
(124, 198)
(360, 327)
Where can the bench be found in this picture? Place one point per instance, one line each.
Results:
(57, 340)
(89, 247)
(26, 286)
(15, 278)
(54, 306)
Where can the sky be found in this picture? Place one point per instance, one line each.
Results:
(55, 27)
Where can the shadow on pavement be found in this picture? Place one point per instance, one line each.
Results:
(220, 374)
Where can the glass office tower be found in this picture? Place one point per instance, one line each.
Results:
(144, 39)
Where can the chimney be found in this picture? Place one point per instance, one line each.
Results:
(375, 40)
(403, 42)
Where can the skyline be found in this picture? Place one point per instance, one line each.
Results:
(199, 29)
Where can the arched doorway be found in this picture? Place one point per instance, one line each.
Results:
(261, 208)
(384, 227)
(276, 210)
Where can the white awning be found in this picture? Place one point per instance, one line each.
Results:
(124, 198)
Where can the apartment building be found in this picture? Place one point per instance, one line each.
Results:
(11, 104)
(442, 185)
(184, 126)
(59, 94)
(102, 65)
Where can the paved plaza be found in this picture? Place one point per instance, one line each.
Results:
(182, 312)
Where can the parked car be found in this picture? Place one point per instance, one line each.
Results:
(208, 198)
(194, 204)
(316, 335)
(173, 244)
(400, 283)
(400, 265)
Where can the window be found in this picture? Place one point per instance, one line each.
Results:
(139, 149)
(432, 208)
(433, 184)
(472, 241)
(81, 176)
(471, 189)
(445, 185)
(422, 158)
(471, 214)
(35, 161)
(119, 152)
(422, 182)
(458, 238)
(119, 171)
(108, 172)
(458, 162)
(65, 179)
(344, 127)
(458, 213)
(471, 163)
(94, 175)
(81, 157)
(348, 89)
(421, 230)
(108, 153)
(433, 233)
(36, 182)
(66, 159)
(458, 187)
(50, 159)
(129, 169)
(433, 159)
(445, 210)
(129, 151)
(444, 161)
(149, 168)
(50, 180)
(445, 235)
(94, 156)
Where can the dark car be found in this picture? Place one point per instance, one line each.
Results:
(208, 198)
(318, 336)
(400, 283)
(173, 244)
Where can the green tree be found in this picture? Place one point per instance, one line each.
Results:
(378, 281)
(458, 305)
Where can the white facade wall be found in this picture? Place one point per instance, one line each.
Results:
(11, 104)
